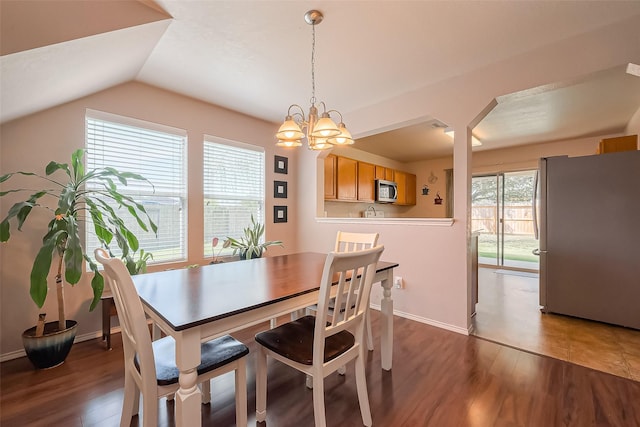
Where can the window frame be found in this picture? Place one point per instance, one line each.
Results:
(151, 196)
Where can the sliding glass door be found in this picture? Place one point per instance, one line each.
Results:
(502, 214)
(484, 217)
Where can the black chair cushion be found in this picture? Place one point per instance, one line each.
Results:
(294, 340)
(214, 354)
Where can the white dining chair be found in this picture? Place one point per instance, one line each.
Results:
(319, 345)
(149, 366)
(349, 242)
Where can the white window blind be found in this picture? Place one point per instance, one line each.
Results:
(157, 153)
(233, 185)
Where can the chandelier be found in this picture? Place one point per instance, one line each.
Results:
(321, 131)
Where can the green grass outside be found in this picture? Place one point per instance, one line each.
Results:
(516, 247)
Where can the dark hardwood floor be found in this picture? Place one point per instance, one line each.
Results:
(439, 378)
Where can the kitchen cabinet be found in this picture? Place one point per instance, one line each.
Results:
(366, 181)
(401, 180)
(350, 180)
(330, 184)
(620, 143)
(347, 179)
(384, 173)
(411, 189)
(406, 188)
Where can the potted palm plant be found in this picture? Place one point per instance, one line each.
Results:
(249, 245)
(47, 344)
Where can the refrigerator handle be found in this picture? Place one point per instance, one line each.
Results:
(534, 213)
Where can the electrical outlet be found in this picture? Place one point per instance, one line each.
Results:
(397, 282)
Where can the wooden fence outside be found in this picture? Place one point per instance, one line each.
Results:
(517, 219)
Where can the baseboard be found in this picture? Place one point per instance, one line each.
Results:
(12, 355)
(79, 338)
(426, 321)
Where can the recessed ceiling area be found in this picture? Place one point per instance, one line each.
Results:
(424, 140)
(599, 104)
(596, 105)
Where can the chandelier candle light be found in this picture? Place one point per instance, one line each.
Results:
(321, 132)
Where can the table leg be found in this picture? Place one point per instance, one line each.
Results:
(386, 336)
(106, 321)
(188, 398)
(156, 332)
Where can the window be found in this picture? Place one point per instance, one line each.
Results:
(233, 190)
(157, 153)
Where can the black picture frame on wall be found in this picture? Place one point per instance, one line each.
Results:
(280, 189)
(279, 214)
(281, 165)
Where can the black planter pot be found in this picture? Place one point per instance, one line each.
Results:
(52, 348)
(243, 255)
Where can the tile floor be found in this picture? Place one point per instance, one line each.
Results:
(508, 313)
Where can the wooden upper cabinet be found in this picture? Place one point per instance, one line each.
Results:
(401, 180)
(366, 180)
(406, 188)
(620, 143)
(411, 189)
(352, 181)
(384, 173)
(330, 169)
(347, 188)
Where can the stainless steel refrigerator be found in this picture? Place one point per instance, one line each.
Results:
(589, 234)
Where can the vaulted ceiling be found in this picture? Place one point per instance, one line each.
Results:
(254, 56)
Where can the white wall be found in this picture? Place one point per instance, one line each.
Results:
(633, 128)
(526, 156)
(425, 206)
(29, 143)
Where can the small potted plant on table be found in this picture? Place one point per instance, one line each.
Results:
(249, 245)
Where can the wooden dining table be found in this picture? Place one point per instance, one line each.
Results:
(197, 304)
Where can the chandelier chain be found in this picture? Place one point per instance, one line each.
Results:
(313, 64)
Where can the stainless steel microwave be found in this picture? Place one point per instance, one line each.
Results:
(386, 191)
